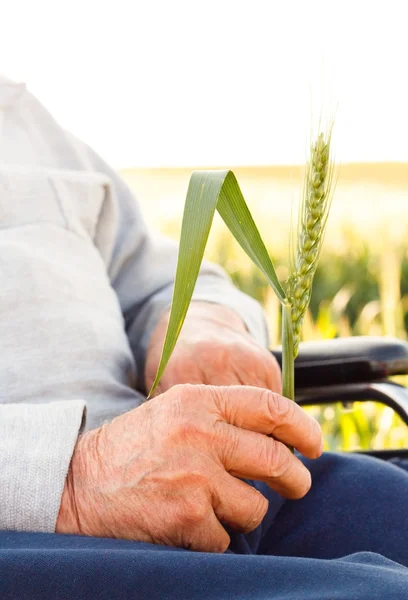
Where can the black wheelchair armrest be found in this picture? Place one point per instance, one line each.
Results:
(344, 361)
(385, 392)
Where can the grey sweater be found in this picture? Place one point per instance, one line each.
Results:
(83, 282)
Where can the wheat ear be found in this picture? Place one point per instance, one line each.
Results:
(313, 215)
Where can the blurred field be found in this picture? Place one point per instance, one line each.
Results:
(361, 286)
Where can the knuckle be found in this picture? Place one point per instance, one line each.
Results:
(187, 392)
(227, 439)
(215, 355)
(211, 542)
(259, 507)
(186, 415)
(277, 459)
(217, 352)
(280, 409)
(313, 437)
(206, 539)
(188, 429)
(200, 397)
(193, 512)
(221, 545)
(179, 390)
(219, 396)
(286, 469)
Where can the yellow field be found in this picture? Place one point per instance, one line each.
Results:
(371, 198)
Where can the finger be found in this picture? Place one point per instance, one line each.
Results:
(206, 535)
(238, 504)
(267, 412)
(253, 455)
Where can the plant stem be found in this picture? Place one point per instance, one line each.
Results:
(288, 361)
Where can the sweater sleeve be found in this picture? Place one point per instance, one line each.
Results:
(142, 266)
(36, 446)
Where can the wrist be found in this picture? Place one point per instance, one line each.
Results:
(67, 520)
(76, 505)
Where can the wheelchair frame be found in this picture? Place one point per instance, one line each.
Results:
(354, 369)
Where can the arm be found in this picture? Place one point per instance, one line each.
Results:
(33, 467)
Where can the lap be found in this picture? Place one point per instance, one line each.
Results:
(356, 504)
(327, 545)
(42, 566)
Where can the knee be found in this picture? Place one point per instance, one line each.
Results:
(359, 470)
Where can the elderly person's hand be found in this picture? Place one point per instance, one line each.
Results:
(214, 348)
(167, 471)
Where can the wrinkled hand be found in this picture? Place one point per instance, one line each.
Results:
(167, 471)
(214, 348)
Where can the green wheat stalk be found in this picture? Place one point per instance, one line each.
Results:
(312, 221)
(313, 216)
(219, 190)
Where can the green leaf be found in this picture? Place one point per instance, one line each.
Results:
(208, 191)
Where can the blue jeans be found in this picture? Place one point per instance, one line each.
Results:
(346, 540)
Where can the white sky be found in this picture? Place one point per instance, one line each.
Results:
(215, 82)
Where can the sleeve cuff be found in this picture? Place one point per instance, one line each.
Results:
(36, 446)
